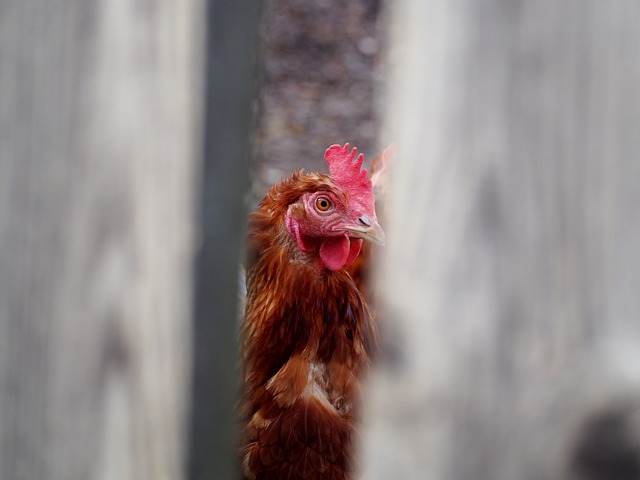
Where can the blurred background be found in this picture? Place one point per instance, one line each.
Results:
(320, 82)
(135, 136)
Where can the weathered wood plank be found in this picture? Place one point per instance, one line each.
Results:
(99, 108)
(512, 269)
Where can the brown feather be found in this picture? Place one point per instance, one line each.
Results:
(306, 341)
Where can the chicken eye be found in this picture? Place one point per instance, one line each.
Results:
(323, 204)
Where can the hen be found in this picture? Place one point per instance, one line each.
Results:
(307, 335)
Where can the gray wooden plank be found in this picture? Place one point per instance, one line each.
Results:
(512, 268)
(99, 109)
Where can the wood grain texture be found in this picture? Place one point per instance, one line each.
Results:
(98, 147)
(512, 266)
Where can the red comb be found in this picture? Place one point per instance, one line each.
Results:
(347, 173)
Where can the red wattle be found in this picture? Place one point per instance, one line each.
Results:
(335, 252)
(356, 245)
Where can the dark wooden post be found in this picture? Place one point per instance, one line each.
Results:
(512, 272)
(231, 58)
(100, 106)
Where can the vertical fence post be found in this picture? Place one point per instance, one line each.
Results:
(99, 140)
(231, 57)
(512, 268)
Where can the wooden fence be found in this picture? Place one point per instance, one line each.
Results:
(100, 106)
(512, 273)
(511, 276)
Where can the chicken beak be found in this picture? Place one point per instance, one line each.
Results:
(372, 232)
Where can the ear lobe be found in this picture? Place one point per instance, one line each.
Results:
(293, 227)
